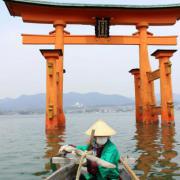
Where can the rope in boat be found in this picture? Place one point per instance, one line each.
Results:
(85, 153)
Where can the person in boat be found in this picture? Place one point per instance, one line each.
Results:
(103, 148)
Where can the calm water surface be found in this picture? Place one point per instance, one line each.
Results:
(25, 148)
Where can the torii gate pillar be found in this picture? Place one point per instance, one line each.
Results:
(54, 111)
(59, 44)
(146, 87)
(167, 106)
(137, 83)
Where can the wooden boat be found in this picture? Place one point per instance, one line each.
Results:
(69, 169)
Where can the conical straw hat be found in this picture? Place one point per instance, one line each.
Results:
(101, 129)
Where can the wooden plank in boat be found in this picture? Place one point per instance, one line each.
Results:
(67, 172)
(62, 161)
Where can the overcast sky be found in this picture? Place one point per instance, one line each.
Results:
(88, 68)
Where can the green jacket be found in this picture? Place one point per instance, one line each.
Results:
(110, 154)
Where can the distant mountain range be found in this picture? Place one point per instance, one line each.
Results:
(95, 99)
(36, 103)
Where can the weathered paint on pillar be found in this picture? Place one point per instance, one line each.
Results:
(52, 120)
(136, 73)
(59, 44)
(167, 106)
(147, 88)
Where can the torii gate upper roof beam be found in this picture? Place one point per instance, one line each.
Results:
(48, 12)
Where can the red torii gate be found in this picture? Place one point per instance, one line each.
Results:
(142, 17)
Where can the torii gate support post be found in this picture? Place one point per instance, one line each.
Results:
(136, 73)
(146, 87)
(59, 44)
(167, 106)
(52, 114)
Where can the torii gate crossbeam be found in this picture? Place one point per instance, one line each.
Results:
(93, 40)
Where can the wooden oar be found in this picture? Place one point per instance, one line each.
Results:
(130, 171)
(85, 154)
(91, 140)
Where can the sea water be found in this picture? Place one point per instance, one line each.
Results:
(25, 147)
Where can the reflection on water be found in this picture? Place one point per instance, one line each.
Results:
(155, 145)
(54, 138)
(167, 151)
(147, 141)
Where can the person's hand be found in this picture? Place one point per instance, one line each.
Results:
(61, 149)
(66, 148)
